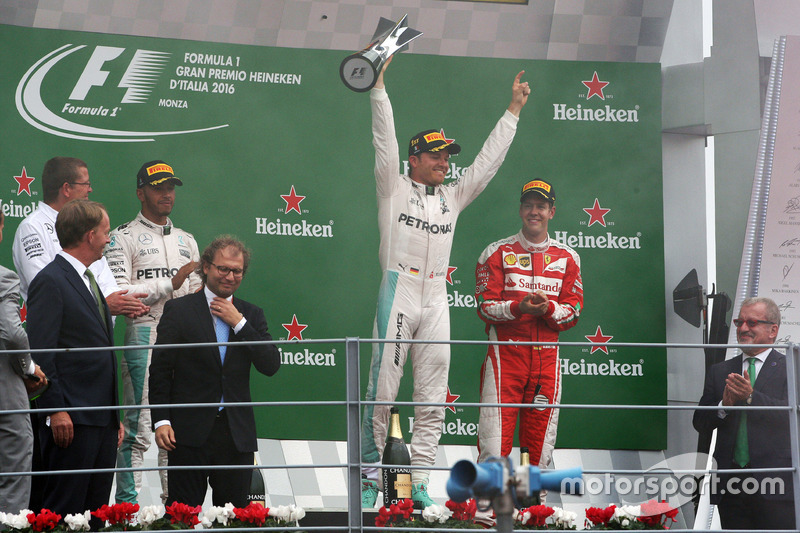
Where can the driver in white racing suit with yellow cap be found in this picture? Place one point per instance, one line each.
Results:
(416, 216)
(148, 255)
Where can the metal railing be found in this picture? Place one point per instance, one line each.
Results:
(354, 406)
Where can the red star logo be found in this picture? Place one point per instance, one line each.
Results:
(599, 338)
(596, 213)
(24, 183)
(449, 277)
(448, 141)
(451, 398)
(292, 201)
(295, 329)
(595, 87)
(23, 313)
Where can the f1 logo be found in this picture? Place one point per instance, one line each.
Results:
(139, 77)
(92, 74)
(358, 72)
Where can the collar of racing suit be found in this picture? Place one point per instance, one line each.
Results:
(430, 190)
(166, 229)
(534, 247)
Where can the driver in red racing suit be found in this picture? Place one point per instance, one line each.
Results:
(529, 289)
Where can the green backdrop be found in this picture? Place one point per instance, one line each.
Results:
(244, 125)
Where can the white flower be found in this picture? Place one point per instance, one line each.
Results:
(78, 522)
(3, 519)
(296, 513)
(436, 513)
(627, 511)
(563, 518)
(218, 514)
(287, 513)
(525, 517)
(149, 514)
(19, 520)
(625, 522)
(280, 512)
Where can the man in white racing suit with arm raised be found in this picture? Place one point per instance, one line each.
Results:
(148, 255)
(416, 216)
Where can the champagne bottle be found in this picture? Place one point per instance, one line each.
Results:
(396, 481)
(526, 500)
(524, 457)
(258, 492)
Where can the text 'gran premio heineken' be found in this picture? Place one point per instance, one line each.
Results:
(396, 481)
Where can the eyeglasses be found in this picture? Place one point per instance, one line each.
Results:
(738, 322)
(87, 183)
(224, 271)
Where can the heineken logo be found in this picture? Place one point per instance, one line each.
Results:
(609, 240)
(594, 88)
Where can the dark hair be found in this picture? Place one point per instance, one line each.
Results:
(58, 171)
(220, 243)
(76, 219)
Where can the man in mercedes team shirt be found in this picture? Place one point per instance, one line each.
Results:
(148, 255)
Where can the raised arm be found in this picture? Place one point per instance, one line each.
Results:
(384, 139)
(519, 94)
(379, 82)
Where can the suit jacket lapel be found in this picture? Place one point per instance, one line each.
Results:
(768, 372)
(76, 280)
(80, 287)
(109, 320)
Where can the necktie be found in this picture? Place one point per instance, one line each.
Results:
(741, 451)
(222, 330)
(97, 298)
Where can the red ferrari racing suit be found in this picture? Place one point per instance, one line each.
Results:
(508, 270)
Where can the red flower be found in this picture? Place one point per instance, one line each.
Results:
(404, 507)
(44, 521)
(655, 513)
(539, 514)
(464, 510)
(395, 512)
(254, 514)
(119, 513)
(598, 516)
(180, 512)
(384, 516)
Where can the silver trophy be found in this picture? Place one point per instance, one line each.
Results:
(360, 70)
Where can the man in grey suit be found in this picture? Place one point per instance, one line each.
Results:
(18, 375)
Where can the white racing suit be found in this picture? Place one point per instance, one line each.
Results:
(416, 225)
(143, 257)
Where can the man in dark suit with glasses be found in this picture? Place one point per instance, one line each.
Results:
(751, 438)
(215, 435)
